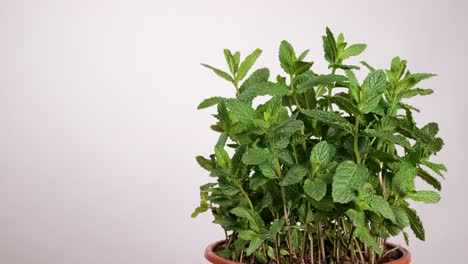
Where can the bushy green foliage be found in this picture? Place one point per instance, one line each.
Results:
(323, 171)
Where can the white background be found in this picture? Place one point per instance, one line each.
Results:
(99, 128)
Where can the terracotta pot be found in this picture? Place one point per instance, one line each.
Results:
(215, 259)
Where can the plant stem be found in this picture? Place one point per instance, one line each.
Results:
(359, 250)
(245, 195)
(322, 244)
(305, 234)
(311, 239)
(283, 197)
(356, 140)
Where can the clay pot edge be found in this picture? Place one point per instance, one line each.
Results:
(213, 258)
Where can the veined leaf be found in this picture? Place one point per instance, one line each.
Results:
(357, 217)
(389, 137)
(424, 175)
(210, 102)
(353, 86)
(330, 118)
(326, 79)
(287, 56)
(417, 91)
(349, 178)
(222, 157)
(380, 206)
(424, 196)
(219, 72)
(343, 66)
(403, 181)
(247, 64)
(352, 50)
(258, 76)
(244, 112)
(322, 153)
(375, 82)
(303, 55)
(329, 46)
(415, 223)
(253, 246)
(267, 170)
(370, 68)
(300, 67)
(256, 156)
(205, 163)
(230, 61)
(254, 219)
(265, 88)
(294, 175)
(401, 218)
(344, 103)
(247, 234)
(315, 189)
(437, 168)
(363, 234)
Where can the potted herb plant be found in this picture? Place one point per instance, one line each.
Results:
(324, 170)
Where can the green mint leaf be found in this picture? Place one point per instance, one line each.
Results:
(424, 175)
(343, 66)
(210, 102)
(437, 168)
(352, 50)
(247, 64)
(349, 178)
(357, 217)
(230, 61)
(388, 137)
(354, 87)
(258, 76)
(375, 82)
(254, 219)
(287, 56)
(380, 206)
(222, 157)
(267, 170)
(219, 72)
(265, 88)
(247, 234)
(365, 237)
(424, 196)
(199, 210)
(294, 175)
(330, 118)
(253, 246)
(370, 68)
(401, 218)
(243, 111)
(326, 79)
(322, 154)
(303, 55)
(415, 223)
(329, 46)
(205, 163)
(256, 156)
(417, 91)
(346, 104)
(403, 181)
(315, 189)
(300, 67)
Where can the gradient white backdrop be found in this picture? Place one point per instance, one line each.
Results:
(99, 128)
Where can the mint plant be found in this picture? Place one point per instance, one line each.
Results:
(325, 169)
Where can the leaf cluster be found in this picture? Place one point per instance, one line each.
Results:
(325, 169)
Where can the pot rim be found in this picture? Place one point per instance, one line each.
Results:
(213, 258)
